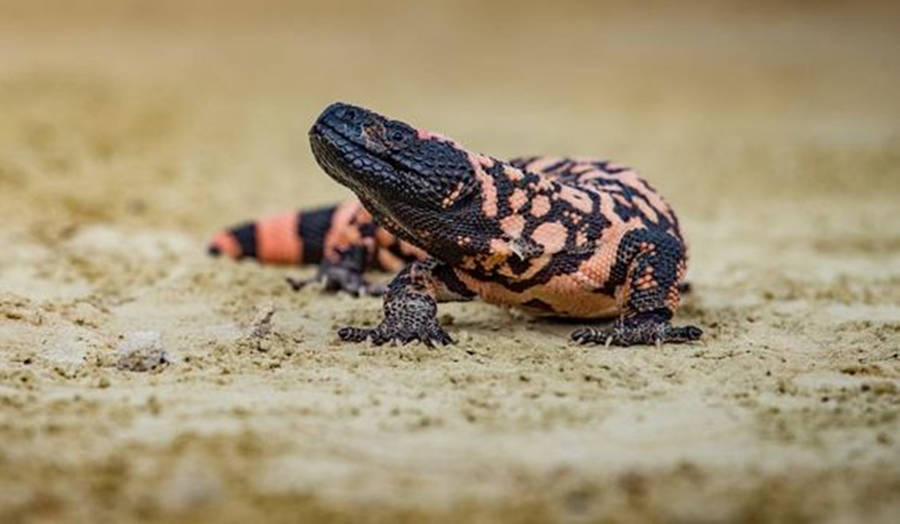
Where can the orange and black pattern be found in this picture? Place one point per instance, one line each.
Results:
(311, 237)
(569, 237)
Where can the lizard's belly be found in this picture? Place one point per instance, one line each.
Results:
(562, 295)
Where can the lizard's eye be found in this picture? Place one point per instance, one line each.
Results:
(396, 136)
(399, 134)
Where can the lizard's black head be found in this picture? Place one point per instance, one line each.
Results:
(408, 178)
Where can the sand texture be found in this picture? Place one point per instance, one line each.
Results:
(142, 380)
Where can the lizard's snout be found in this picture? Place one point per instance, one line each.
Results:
(340, 114)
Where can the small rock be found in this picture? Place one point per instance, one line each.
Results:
(142, 351)
(261, 325)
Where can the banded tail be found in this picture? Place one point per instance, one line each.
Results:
(292, 237)
(308, 237)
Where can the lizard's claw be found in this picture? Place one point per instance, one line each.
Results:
(335, 278)
(637, 330)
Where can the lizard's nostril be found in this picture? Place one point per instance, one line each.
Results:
(350, 115)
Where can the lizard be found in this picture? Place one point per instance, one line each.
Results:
(572, 237)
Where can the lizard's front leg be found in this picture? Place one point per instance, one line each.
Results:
(410, 306)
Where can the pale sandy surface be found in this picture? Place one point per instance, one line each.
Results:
(128, 135)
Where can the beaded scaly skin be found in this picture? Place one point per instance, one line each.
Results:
(566, 237)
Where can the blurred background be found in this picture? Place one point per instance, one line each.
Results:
(130, 131)
(194, 112)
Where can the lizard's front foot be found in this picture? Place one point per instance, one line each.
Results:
(643, 328)
(407, 318)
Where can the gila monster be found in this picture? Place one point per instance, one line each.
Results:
(581, 238)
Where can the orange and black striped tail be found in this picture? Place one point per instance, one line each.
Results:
(287, 238)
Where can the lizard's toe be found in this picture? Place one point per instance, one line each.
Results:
(355, 334)
(682, 334)
(426, 334)
(335, 278)
(646, 330)
(437, 334)
(606, 337)
(582, 335)
(425, 337)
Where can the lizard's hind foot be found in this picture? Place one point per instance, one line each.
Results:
(335, 277)
(643, 328)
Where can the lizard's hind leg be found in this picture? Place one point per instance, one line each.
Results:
(347, 274)
(651, 294)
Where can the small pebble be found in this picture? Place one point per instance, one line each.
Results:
(142, 351)
(261, 325)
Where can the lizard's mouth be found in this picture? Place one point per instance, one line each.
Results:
(377, 181)
(352, 165)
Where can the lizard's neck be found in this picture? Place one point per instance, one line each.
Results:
(511, 204)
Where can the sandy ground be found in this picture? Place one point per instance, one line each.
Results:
(131, 132)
